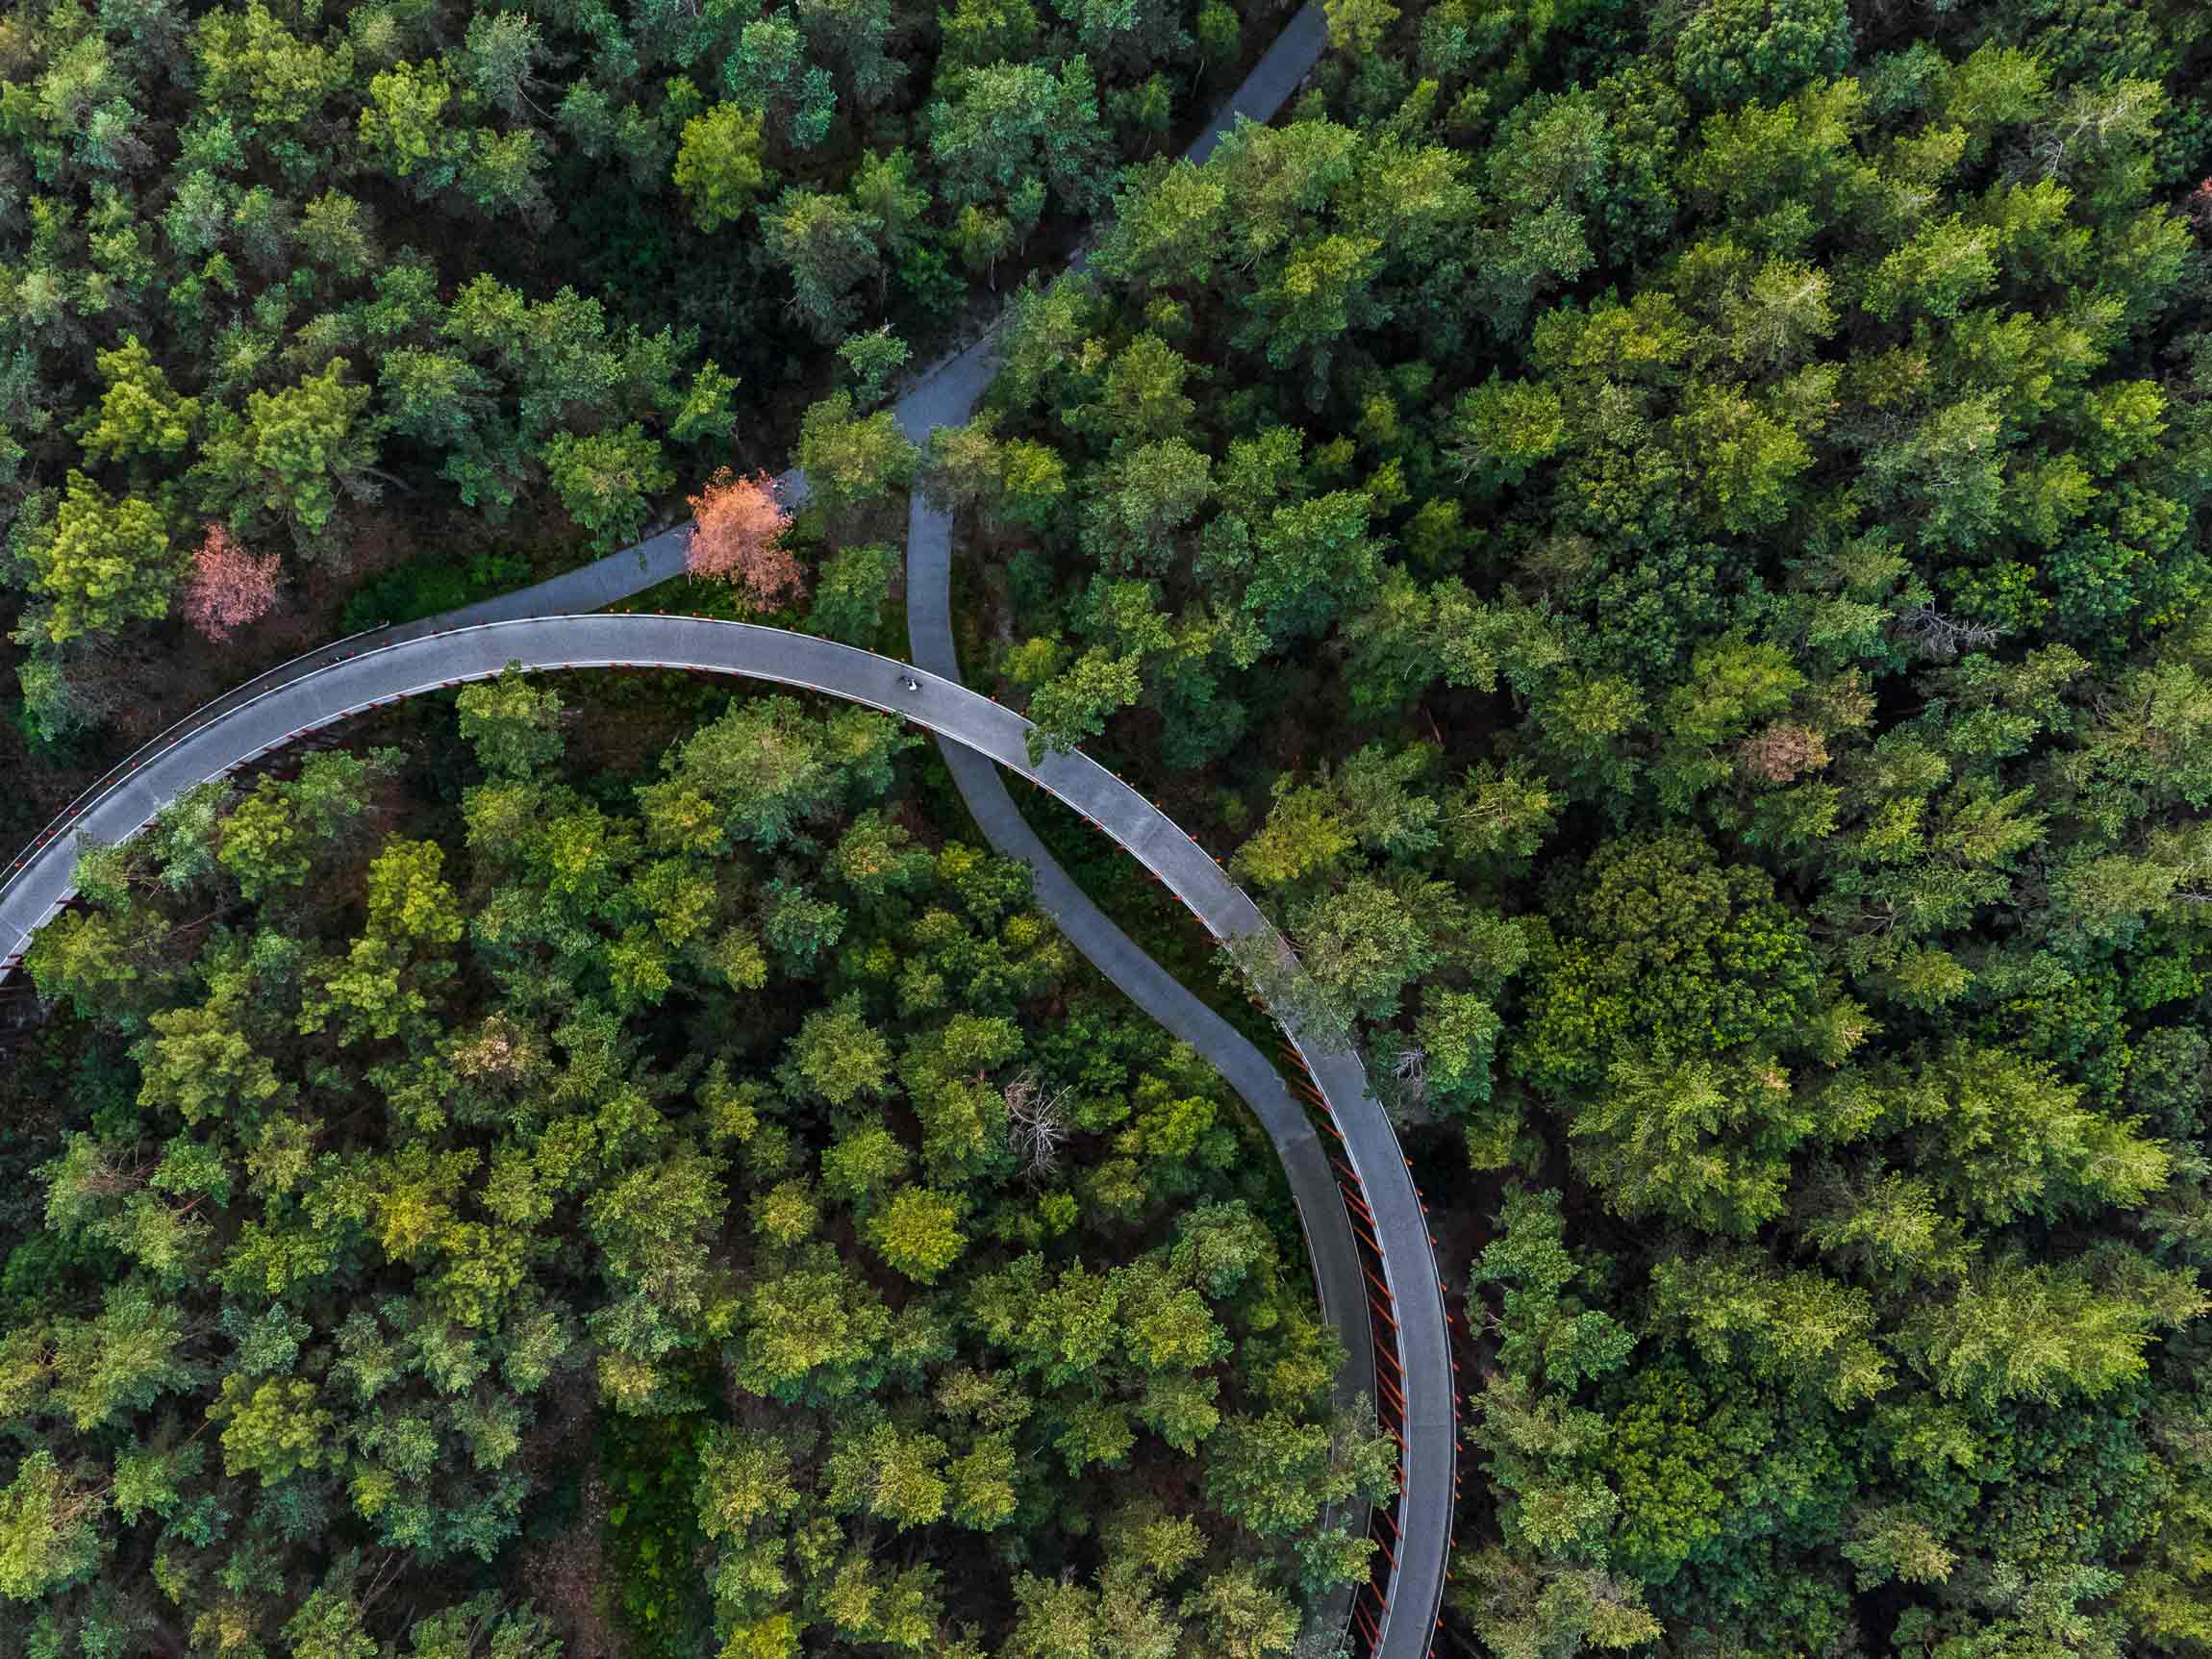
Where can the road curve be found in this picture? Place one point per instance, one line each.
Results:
(324, 694)
(1420, 1535)
(531, 626)
(1429, 1466)
(389, 673)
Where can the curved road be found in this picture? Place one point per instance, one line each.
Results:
(327, 686)
(1428, 1467)
(982, 732)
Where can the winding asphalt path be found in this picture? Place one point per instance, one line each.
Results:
(1428, 1469)
(982, 734)
(531, 627)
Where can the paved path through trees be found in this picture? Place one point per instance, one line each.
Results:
(1412, 1369)
(982, 733)
(323, 694)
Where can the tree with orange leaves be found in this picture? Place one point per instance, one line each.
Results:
(227, 587)
(739, 538)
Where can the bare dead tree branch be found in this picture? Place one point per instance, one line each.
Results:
(1940, 638)
(1036, 1125)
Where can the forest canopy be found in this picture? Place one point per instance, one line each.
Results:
(1665, 546)
(510, 275)
(1672, 541)
(721, 1174)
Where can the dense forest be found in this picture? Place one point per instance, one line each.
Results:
(518, 272)
(1666, 544)
(1673, 541)
(470, 1203)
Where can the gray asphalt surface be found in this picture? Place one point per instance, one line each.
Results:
(981, 733)
(388, 673)
(533, 627)
(946, 397)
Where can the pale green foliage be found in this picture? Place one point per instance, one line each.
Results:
(513, 726)
(2048, 1332)
(47, 1529)
(292, 453)
(1799, 1330)
(1008, 121)
(718, 165)
(851, 459)
(140, 412)
(917, 1232)
(101, 561)
(272, 1428)
(838, 1056)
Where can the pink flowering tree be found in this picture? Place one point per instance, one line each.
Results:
(739, 539)
(227, 587)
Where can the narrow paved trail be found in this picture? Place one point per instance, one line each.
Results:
(1353, 1190)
